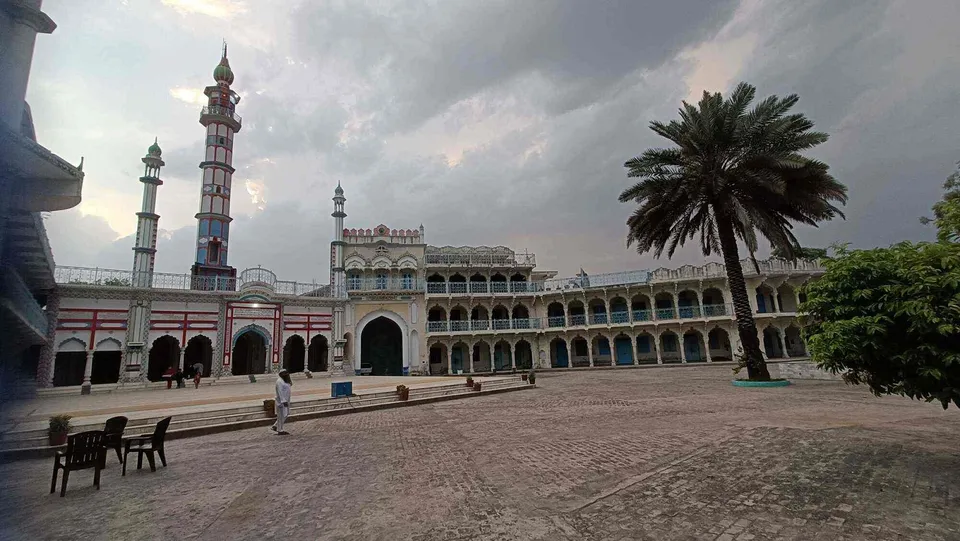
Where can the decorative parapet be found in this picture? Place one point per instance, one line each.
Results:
(477, 256)
(384, 234)
(258, 278)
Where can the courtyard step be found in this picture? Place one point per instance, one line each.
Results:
(32, 443)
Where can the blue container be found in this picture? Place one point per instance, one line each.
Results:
(343, 388)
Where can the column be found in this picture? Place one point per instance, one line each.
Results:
(636, 350)
(682, 345)
(590, 351)
(613, 350)
(700, 302)
(449, 359)
(87, 372)
(706, 345)
(513, 354)
(183, 353)
(656, 347)
(470, 355)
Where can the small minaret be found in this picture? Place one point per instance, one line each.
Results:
(145, 249)
(338, 286)
(210, 269)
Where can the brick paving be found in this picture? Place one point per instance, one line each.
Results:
(660, 454)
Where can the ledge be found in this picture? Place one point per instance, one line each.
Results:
(771, 383)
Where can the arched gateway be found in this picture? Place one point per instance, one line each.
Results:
(250, 352)
(381, 346)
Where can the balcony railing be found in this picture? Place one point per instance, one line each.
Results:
(20, 301)
(480, 259)
(383, 284)
(621, 317)
(161, 280)
(222, 111)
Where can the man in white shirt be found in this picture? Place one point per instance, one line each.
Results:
(282, 399)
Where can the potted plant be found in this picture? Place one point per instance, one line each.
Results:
(523, 377)
(59, 427)
(403, 392)
(532, 378)
(476, 386)
(270, 407)
(469, 381)
(253, 379)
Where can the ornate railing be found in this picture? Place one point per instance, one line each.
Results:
(256, 277)
(222, 111)
(554, 322)
(384, 284)
(468, 259)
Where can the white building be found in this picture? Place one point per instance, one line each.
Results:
(394, 304)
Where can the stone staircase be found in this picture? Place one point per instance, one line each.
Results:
(161, 385)
(34, 443)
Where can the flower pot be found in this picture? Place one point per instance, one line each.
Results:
(523, 377)
(270, 407)
(404, 395)
(476, 386)
(469, 382)
(58, 438)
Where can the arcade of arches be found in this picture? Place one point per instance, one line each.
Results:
(249, 354)
(381, 348)
(298, 358)
(164, 354)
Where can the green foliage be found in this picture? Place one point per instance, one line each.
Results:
(733, 165)
(946, 212)
(60, 423)
(890, 318)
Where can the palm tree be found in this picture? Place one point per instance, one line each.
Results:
(734, 173)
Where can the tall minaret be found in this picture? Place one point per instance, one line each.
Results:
(145, 249)
(338, 284)
(210, 269)
(144, 254)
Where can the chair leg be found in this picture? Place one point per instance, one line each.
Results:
(139, 459)
(96, 477)
(56, 469)
(163, 459)
(124, 462)
(63, 487)
(150, 459)
(117, 449)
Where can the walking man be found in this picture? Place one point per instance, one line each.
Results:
(282, 400)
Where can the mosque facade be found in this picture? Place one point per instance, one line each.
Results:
(394, 305)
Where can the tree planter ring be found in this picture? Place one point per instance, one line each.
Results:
(748, 383)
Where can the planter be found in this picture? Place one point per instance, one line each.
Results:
(58, 438)
(476, 386)
(270, 407)
(523, 377)
(404, 395)
(469, 382)
(750, 383)
(532, 379)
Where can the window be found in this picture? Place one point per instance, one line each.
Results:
(223, 140)
(204, 228)
(215, 228)
(381, 280)
(353, 282)
(407, 281)
(214, 253)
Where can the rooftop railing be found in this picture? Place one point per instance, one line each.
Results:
(222, 111)
(160, 280)
(480, 260)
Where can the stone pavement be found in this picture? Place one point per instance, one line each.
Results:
(658, 454)
(34, 413)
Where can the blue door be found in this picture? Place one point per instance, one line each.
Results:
(691, 348)
(563, 358)
(624, 351)
(456, 359)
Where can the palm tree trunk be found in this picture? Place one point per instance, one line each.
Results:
(746, 327)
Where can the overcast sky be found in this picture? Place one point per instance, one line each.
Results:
(491, 123)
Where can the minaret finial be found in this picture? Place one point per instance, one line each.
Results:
(224, 48)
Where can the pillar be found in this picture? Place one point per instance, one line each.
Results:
(656, 347)
(87, 372)
(636, 350)
(590, 347)
(183, 353)
(706, 345)
(449, 359)
(470, 355)
(682, 345)
(513, 355)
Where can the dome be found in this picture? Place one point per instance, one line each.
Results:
(339, 190)
(154, 149)
(222, 73)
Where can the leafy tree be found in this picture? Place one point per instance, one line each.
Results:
(890, 318)
(734, 173)
(812, 254)
(946, 212)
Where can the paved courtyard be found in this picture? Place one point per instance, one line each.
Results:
(659, 454)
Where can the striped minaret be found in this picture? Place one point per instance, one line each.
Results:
(210, 269)
(338, 285)
(145, 249)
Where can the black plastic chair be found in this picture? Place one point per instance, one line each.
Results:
(84, 450)
(113, 434)
(147, 445)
